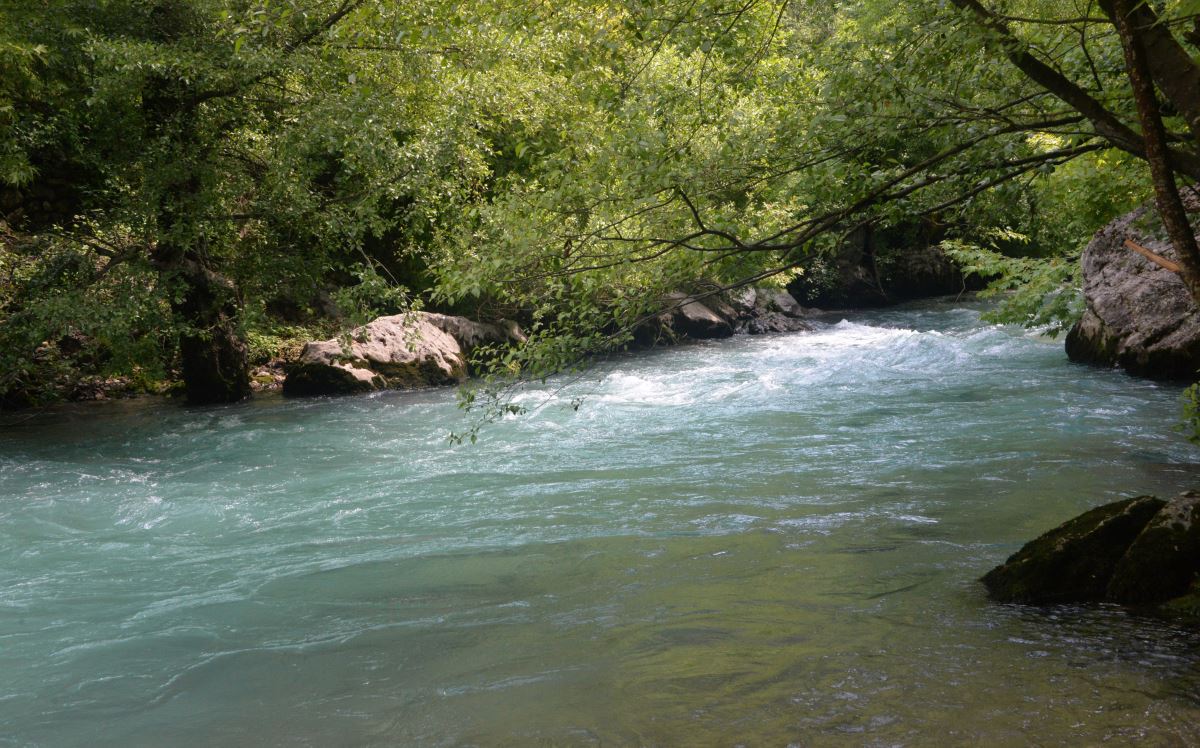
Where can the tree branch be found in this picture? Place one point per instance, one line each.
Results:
(1154, 257)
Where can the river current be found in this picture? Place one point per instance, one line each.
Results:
(762, 541)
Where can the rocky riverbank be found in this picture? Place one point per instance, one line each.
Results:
(1139, 315)
(423, 349)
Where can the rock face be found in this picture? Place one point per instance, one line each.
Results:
(1075, 561)
(878, 267)
(403, 351)
(1139, 316)
(1141, 551)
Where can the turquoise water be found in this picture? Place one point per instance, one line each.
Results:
(762, 541)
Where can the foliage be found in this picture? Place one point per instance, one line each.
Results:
(566, 164)
(1033, 291)
(1191, 413)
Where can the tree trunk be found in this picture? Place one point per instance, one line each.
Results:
(1167, 62)
(1105, 122)
(214, 361)
(1166, 192)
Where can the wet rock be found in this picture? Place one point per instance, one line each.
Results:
(267, 377)
(403, 351)
(1164, 561)
(1186, 607)
(881, 266)
(1139, 315)
(1075, 561)
(752, 310)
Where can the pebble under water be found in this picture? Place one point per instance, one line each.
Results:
(762, 541)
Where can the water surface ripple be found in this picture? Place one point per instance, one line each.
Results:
(759, 541)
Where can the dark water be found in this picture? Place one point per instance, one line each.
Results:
(763, 541)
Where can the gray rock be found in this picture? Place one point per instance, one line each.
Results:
(1075, 561)
(882, 266)
(695, 319)
(751, 310)
(1164, 560)
(403, 351)
(1139, 315)
(471, 334)
(778, 300)
(744, 300)
(774, 310)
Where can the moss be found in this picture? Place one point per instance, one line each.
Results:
(1162, 563)
(1185, 607)
(281, 342)
(1075, 561)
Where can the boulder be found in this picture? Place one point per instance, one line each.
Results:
(1164, 560)
(1075, 561)
(471, 334)
(403, 351)
(1139, 316)
(773, 310)
(881, 266)
(743, 300)
(752, 310)
(922, 271)
(694, 319)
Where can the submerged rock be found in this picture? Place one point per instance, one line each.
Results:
(1139, 315)
(403, 351)
(1075, 561)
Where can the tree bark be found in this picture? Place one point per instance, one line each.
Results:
(1168, 63)
(1166, 191)
(206, 306)
(213, 357)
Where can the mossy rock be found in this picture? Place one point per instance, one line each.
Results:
(1186, 606)
(1164, 560)
(305, 379)
(1075, 561)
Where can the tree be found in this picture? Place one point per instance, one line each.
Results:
(210, 145)
(745, 145)
(1155, 60)
(568, 164)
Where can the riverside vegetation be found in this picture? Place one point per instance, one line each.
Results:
(193, 187)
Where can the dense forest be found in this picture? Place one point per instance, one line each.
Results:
(192, 187)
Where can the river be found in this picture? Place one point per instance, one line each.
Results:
(762, 541)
